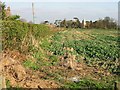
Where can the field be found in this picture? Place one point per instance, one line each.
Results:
(60, 57)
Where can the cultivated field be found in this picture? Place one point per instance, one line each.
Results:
(51, 57)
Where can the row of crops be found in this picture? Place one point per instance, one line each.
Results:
(100, 51)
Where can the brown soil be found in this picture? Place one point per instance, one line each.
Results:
(18, 75)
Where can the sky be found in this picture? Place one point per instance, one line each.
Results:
(52, 10)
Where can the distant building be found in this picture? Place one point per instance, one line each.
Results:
(8, 12)
(83, 24)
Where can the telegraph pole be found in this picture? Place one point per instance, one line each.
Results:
(33, 12)
(119, 15)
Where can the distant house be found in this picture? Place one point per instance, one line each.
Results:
(8, 12)
(83, 24)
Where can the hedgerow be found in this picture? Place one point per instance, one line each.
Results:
(17, 34)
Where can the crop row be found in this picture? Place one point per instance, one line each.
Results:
(95, 52)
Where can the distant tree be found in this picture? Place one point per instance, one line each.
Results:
(107, 20)
(94, 25)
(63, 23)
(75, 18)
(46, 22)
(110, 23)
(69, 24)
(87, 24)
(101, 24)
(78, 25)
(2, 10)
(113, 23)
(73, 24)
(57, 23)
(91, 24)
(106, 23)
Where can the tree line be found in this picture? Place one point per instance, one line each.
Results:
(105, 23)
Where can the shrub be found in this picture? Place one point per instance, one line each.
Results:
(17, 33)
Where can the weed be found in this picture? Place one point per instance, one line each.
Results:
(8, 83)
(30, 64)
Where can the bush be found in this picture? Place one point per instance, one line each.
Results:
(17, 33)
(13, 33)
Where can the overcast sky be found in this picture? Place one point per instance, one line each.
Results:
(51, 10)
